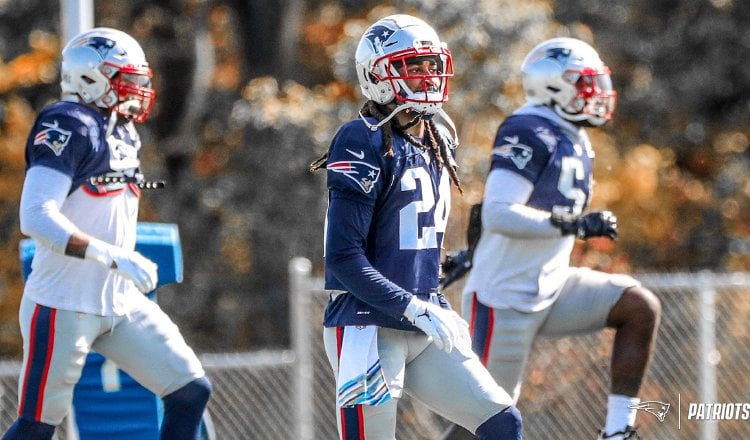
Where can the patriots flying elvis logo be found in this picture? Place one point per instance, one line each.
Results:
(101, 45)
(519, 154)
(53, 137)
(364, 174)
(558, 53)
(377, 36)
(653, 407)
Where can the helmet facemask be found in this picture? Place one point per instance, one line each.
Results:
(427, 69)
(595, 100)
(135, 97)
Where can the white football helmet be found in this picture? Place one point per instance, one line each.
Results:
(391, 43)
(107, 67)
(568, 75)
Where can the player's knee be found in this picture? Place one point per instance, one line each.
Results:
(647, 305)
(505, 425)
(638, 306)
(193, 395)
(23, 429)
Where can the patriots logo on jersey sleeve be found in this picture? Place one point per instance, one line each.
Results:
(53, 137)
(364, 174)
(519, 154)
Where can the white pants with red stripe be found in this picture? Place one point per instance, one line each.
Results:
(146, 344)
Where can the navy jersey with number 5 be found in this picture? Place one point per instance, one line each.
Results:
(555, 157)
(557, 162)
(384, 227)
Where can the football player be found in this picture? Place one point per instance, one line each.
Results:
(87, 283)
(534, 207)
(387, 328)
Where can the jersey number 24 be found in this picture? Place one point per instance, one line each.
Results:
(412, 235)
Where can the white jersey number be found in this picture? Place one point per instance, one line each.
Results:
(571, 170)
(412, 236)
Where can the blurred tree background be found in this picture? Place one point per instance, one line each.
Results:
(251, 91)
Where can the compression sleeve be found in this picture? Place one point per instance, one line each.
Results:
(349, 222)
(44, 191)
(504, 209)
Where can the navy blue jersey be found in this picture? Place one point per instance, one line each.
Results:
(556, 162)
(72, 139)
(384, 229)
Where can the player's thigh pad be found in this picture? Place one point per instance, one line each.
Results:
(148, 346)
(52, 366)
(585, 301)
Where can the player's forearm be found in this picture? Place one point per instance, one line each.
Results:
(366, 283)
(44, 191)
(517, 221)
(504, 209)
(77, 244)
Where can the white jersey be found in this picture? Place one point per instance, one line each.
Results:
(70, 141)
(540, 164)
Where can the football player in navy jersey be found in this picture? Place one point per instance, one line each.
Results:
(86, 288)
(535, 205)
(387, 328)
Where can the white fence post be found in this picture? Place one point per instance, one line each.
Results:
(299, 301)
(76, 17)
(709, 355)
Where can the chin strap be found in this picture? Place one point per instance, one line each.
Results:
(443, 115)
(111, 124)
(452, 126)
(374, 127)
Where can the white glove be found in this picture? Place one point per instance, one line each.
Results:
(444, 326)
(130, 264)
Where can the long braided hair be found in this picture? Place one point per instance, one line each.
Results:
(435, 143)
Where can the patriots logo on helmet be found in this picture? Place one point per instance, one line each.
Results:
(561, 54)
(364, 174)
(378, 35)
(519, 154)
(101, 45)
(654, 407)
(53, 137)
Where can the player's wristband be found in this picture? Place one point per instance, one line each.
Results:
(99, 251)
